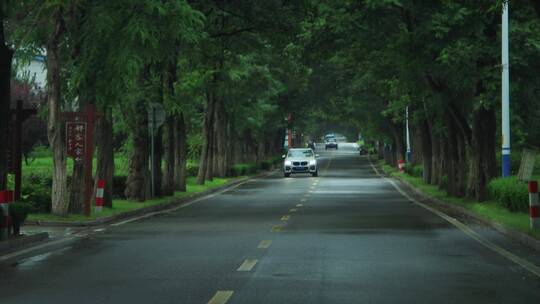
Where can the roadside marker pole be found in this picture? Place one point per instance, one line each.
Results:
(99, 195)
(534, 208)
(401, 165)
(6, 197)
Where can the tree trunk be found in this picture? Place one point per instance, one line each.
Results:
(482, 161)
(205, 160)
(76, 189)
(221, 139)
(138, 180)
(427, 153)
(169, 151)
(180, 154)
(398, 147)
(436, 157)
(105, 157)
(54, 121)
(158, 156)
(6, 57)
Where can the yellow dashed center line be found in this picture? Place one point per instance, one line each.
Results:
(285, 218)
(303, 200)
(293, 210)
(247, 265)
(264, 244)
(299, 205)
(221, 297)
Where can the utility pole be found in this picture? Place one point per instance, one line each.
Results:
(408, 135)
(506, 168)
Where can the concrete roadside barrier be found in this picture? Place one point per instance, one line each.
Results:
(534, 206)
(99, 195)
(6, 197)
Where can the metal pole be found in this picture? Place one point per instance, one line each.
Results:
(152, 165)
(408, 134)
(506, 168)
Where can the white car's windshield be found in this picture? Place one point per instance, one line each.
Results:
(300, 153)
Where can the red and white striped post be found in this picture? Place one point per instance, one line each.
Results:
(6, 197)
(99, 195)
(534, 208)
(401, 165)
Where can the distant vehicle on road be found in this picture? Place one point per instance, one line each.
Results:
(300, 161)
(331, 143)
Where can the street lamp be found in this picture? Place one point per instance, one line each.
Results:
(505, 95)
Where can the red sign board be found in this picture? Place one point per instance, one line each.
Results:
(76, 140)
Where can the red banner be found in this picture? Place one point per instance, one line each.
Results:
(76, 140)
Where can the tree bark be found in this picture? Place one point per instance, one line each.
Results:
(169, 151)
(158, 155)
(138, 180)
(54, 121)
(482, 161)
(105, 157)
(220, 139)
(180, 154)
(205, 160)
(427, 153)
(6, 57)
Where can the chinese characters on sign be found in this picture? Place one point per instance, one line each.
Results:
(76, 140)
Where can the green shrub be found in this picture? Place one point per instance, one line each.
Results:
(244, 169)
(119, 186)
(19, 211)
(510, 193)
(266, 164)
(36, 191)
(192, 169)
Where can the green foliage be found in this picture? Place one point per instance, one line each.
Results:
(510, 193)
(416, 171)
(19, 211)
(244, 169)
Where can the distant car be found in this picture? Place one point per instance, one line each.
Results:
(300, 161)
(331, 143)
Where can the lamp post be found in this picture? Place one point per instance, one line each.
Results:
(506, 168)
(408, 135)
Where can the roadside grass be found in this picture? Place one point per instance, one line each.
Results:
(122, 206)
(488, 209)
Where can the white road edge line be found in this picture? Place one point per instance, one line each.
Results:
(209, 196)
(33, 248)
(532, 268)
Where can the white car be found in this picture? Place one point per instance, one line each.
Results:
(300, 161)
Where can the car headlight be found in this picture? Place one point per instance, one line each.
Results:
(288, 163)
(312, 162)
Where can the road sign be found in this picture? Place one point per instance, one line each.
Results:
(156, 116)
(76, 140)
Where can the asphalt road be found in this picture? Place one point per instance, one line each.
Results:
(346, 236)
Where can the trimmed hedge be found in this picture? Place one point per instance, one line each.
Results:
(510, 193)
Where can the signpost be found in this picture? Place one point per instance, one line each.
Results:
(80, 145)
(156, 118)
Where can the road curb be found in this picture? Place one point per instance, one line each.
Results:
(17, 243)
(514, 235)
(146, 210)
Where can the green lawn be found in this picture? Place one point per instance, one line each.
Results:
(120, 206)
(488, 209)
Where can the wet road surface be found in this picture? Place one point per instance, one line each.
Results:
(346, 236)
